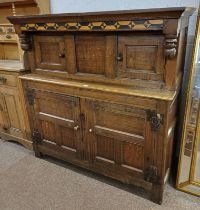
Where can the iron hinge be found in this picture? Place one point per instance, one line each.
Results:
(151, 175)
(30, 95)
(36, 136)
(156, 120)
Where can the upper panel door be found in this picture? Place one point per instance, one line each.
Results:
(94, 55)
(141, 57)
(50, 53)
(57, 119)
(119, 137)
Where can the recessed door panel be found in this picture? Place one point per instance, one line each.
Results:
(90, 52)
(133, 155)
(50, 53)
(105, 150)
(3, 113)
(67, 135)
(10, 106)
(96, 55)
(141, 57)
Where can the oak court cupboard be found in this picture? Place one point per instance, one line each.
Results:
(103, 88)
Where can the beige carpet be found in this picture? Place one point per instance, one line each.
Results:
(29, 183)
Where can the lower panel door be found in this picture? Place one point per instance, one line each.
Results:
(117, 138)
(12, 112)
(4, 123)
(57, 119)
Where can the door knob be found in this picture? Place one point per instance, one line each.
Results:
(90, 130)
(61, 55)
(8, 36)
(119, 57)
(76, 128)
(5, 128)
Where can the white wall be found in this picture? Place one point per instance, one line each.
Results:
(61, 6)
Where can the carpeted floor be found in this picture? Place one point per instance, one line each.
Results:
(29, 183)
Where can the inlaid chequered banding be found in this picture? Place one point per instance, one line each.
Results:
(95, 26)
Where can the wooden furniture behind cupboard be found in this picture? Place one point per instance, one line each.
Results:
(13, 120)
(103, 89)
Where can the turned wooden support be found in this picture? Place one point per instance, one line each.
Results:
(171, 47)
(25, 42)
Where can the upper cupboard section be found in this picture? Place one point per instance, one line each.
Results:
(119, 59)
(143, 48)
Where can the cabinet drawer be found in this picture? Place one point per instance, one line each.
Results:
(2, 29)
(8, 37)
(6, 79)
(9, 29)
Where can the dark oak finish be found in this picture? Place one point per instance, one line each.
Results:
(103, 90)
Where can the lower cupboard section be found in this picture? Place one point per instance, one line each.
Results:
(112, 139)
